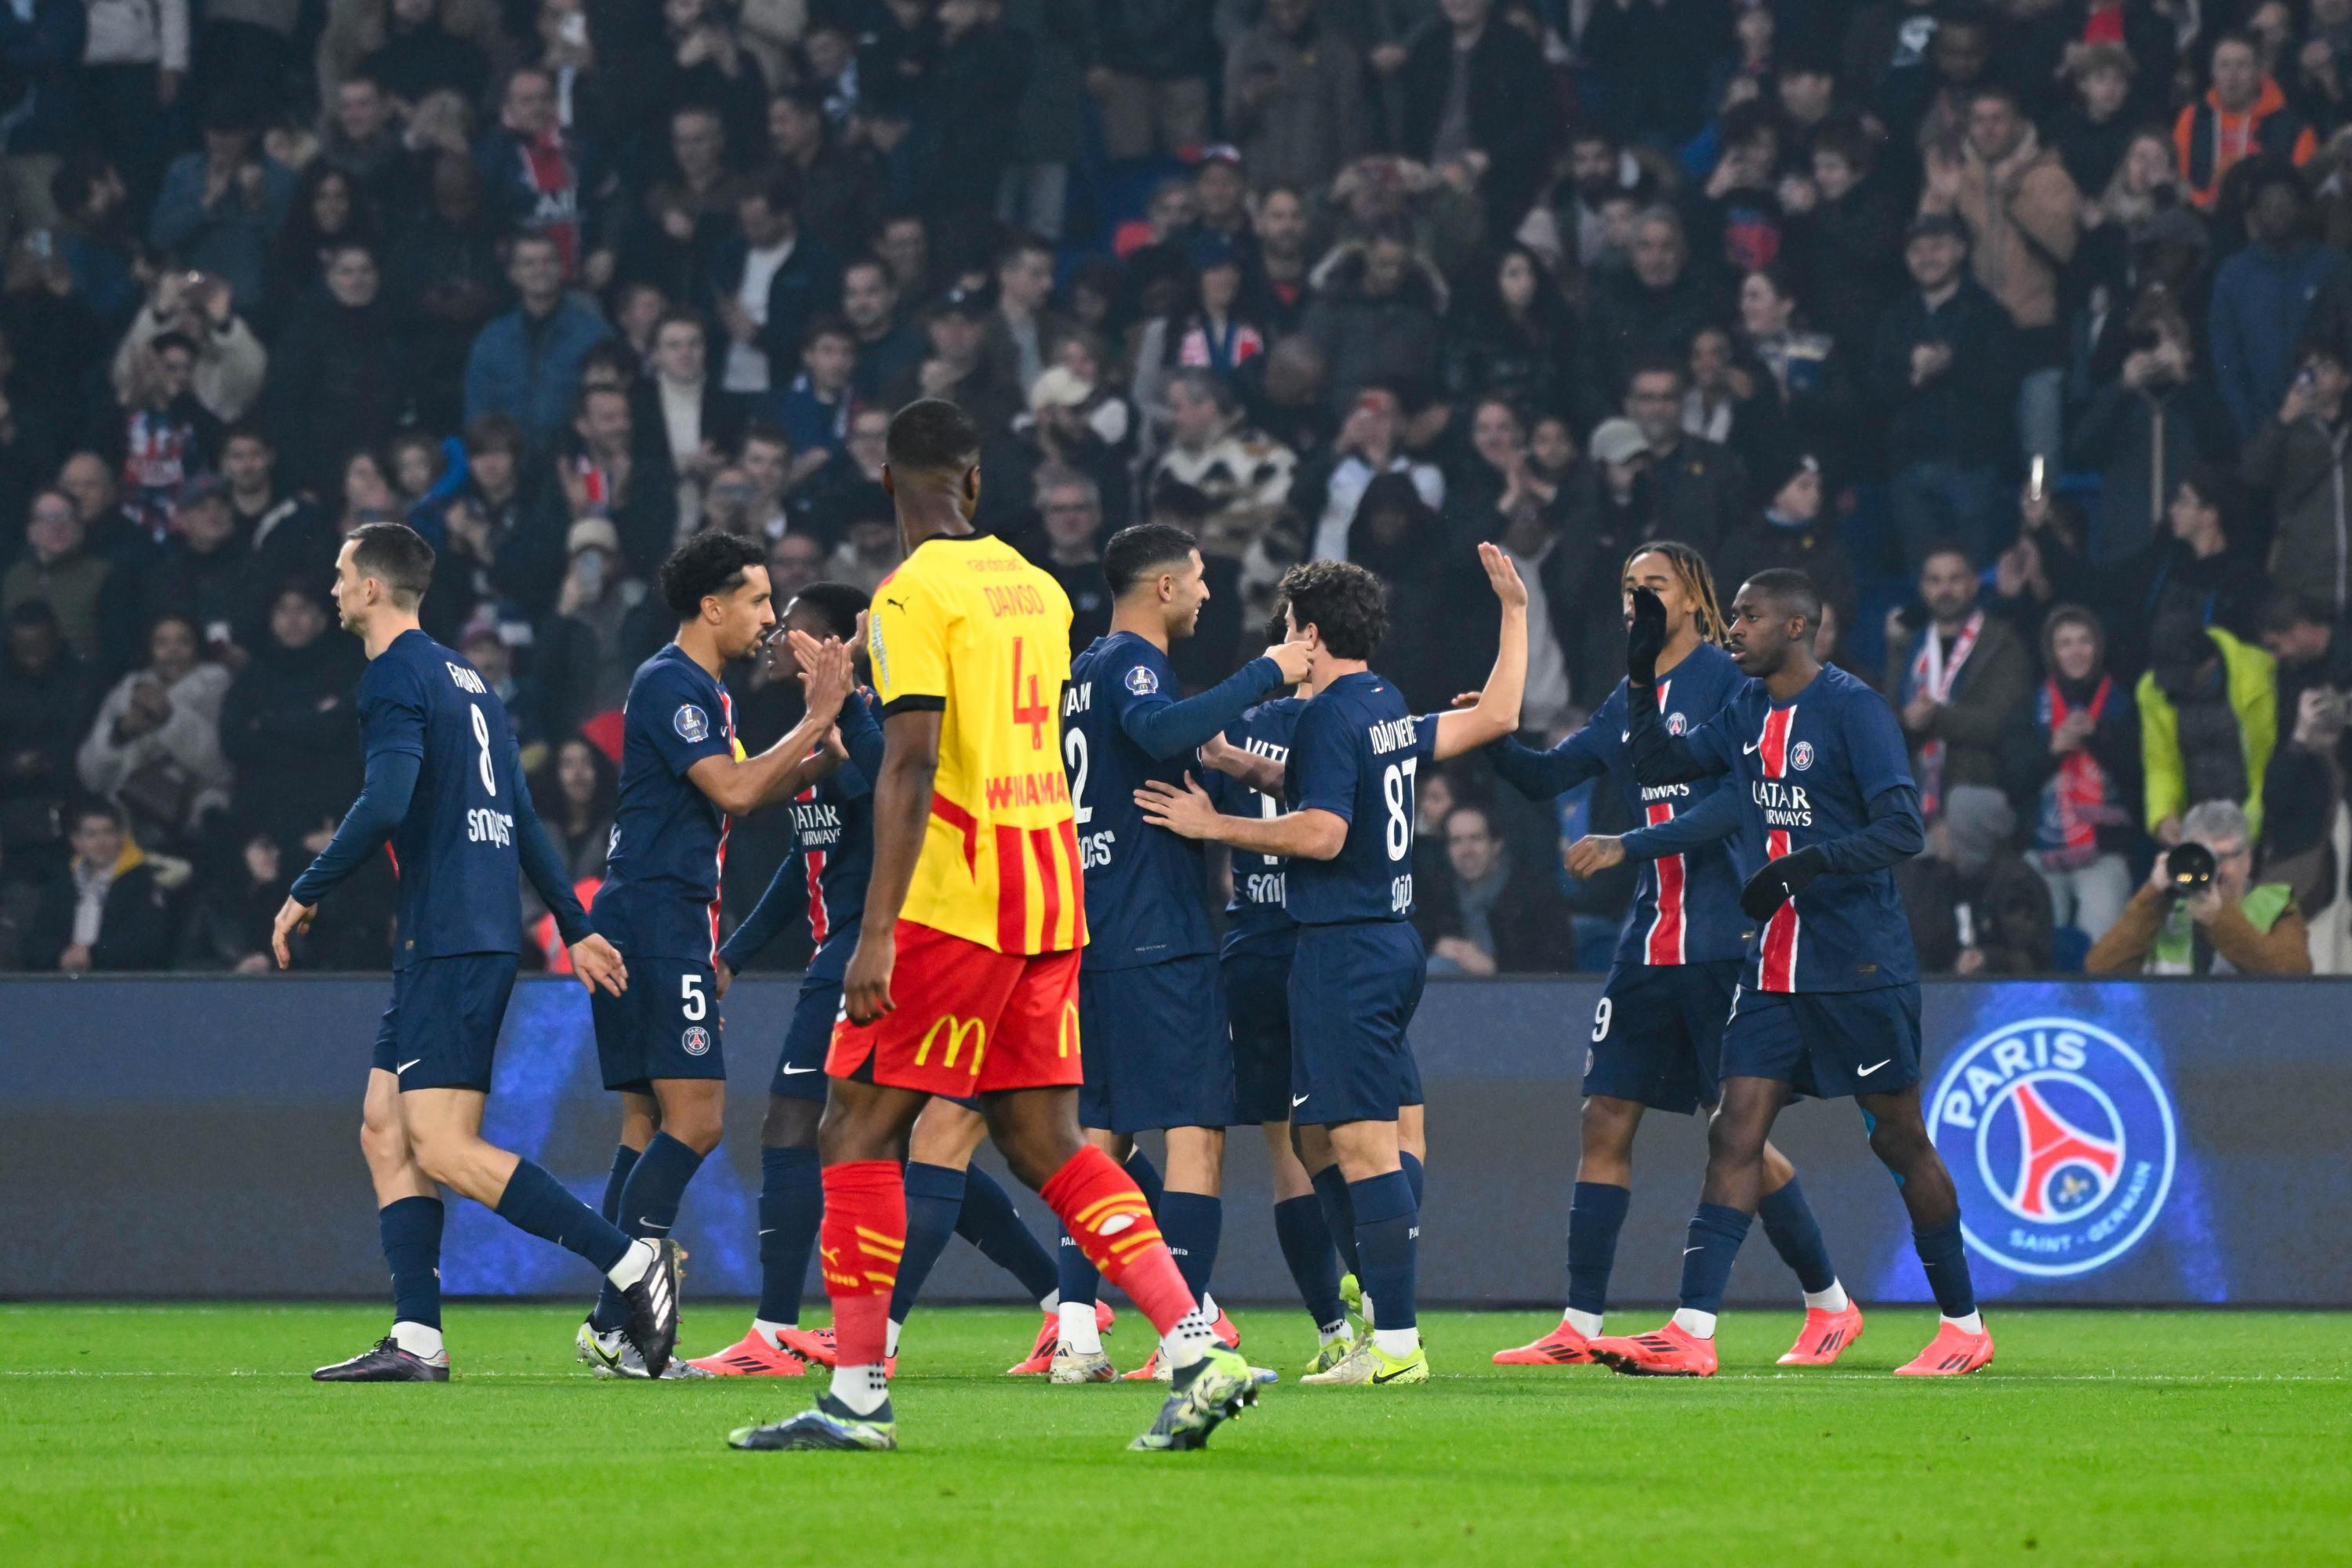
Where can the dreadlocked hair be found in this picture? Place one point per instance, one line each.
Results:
(1690, 570)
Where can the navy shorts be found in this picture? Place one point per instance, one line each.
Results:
(1257, 1016)
(1827, 1044)
(1155, 1049)
(667, 1024)
(800, 1069)
(1354, 991)
(442, 1029)
(1658, 1033)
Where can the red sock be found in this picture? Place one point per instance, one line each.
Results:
(1101, 1207)
(865, 1231)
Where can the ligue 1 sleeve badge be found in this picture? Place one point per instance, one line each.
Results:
(1143, 680)
(692, 724)
(2060, 1139)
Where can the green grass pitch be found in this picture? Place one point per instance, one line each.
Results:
(163, 1434)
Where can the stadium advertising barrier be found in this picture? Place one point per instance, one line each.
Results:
(2167, 1141)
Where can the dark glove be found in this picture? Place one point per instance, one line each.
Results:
(1646, 638)
(1780, 881)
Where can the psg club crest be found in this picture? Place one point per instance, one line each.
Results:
(692, 724)
(1676, 724)
(2060, 1139)
(1800, 755)
(695, 1041)
(1143, 682)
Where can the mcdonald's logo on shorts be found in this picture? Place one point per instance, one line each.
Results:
(958, 1031)
(1070, 1032)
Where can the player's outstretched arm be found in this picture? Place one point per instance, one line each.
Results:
(1717, 817)
(384, 793)
(1262, 773)
(902, 813)
(1165, 728)
(1497, 712)
(789, 766)
(1189, 813)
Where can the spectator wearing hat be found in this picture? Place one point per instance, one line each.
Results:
(2265, 297)
(2089, 135)
(2071, 759)
(1794, 530)
(1955, 681)
(2155, 421)
(1973, 904)
(220, 208)
(2299, 456)
(1943, 369)
(768, 280)
(2243, 115)
(958, 367)
(1221, 189)
(604, 625)
(1075, 421)
(526, 363)
(1294, 97)
(1610, 505)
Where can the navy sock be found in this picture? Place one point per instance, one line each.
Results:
(1191, 1223)
(536, 1202)
(1146, 1175)
(792, 1206)
(1307, 1248)
(1339, 1216)
(648, 1207)
(1410, 1163)
(1945, 1257)
(411, 1228)
(1713, 1241)
(1075, 1276)
(624, 1160)
(1596, 1213)
(989, 1221)
(934, 1198)
(1387, 1224)
(1796, 1236)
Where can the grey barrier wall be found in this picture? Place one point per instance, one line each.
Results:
(2162, 1141)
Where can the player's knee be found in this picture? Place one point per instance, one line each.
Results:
(1731, 1141)
(382, 1141)
(790, 1123)
(1898, 1143)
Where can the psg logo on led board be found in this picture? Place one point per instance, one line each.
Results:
(2060, 1139)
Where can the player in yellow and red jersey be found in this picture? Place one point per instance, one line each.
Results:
(965, 977)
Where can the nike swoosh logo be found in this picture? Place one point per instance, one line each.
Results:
(1873, 1068)
(1623, 736)
(405, 1066)
(1688, 1250)
(789, 1072)
(1296, 1100)
(650, 1224)
(1387, 1376)
(770, 1231)
(1749, 750)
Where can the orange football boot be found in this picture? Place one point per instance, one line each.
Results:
(1561, 1347)
(1953, 1353)
(1669, 1352)
(752, 1356)
(1039, 1360)
(1825, 1337)
(809, 1344)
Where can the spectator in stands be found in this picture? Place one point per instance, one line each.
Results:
(220, 209)
(204, 573)
(230, 363)
(526, 363)
(1071, 509)
(815, 408)
(230, 920)
(2243, 115)
(794, 561)
(607, 476)
(344, 377)
(1375, 316)
(604, 625)
(1234, 482)
(2231, 926)
(2208, 721)
(1295, 96)
(2071, 759)
(56, 569)
(1845, 237)
(575, 793)
(1505, 918)
(769, 280)
(287, 722)
(888, 348)
(2195, 566)
(109, 912)
(2089, 134)
(1944, 369)
(958, 367)
(2298, 456)
(1370, 442)
(677, 413)
(162, 435)
(1475, 93)
(155, 749)
(1698, 488)
(1957, 681)
(1645, 312)
(1148, 73)
(44, 700)
(2157, 421)
(2264, 296)
(1974, 906)
(1794, 530)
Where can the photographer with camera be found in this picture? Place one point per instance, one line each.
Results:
(2200, 912)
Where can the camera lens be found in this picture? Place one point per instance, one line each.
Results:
(2188, 868)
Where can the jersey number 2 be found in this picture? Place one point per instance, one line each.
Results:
(482, 738)
(1074, 751)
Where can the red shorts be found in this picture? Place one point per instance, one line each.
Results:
(970, 1020)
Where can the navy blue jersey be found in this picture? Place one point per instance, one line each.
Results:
(825, 868)
(1147, 889)
(460, 884)
(1256, 919)
(1355, 750)
(1827, 768)
(660, 897)
(1686, 899)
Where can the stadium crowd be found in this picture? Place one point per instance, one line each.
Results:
(2026, 330)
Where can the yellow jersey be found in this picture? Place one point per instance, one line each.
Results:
(967, 627)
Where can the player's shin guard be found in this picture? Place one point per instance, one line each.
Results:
(411, 1228)
(1339, 1216)
(1387, 1230)
(1307, 1248)
(536, 1202)
(1192, 1223)
(649, 1203)
(1596, 1213)
(792, 1203)
(1943, 1255)
(1796, 1236)
(1104, 1215)
(862, 1242)
(1146, 1176)
(989, 1221)
(1711, 1245)
(616, 1181)
(934, 1197)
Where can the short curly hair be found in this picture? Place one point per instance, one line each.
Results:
(709, 562)
(1343, 602)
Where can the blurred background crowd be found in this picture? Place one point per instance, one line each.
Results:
(2025, 328)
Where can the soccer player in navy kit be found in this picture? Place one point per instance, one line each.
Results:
(1357, 971)
(445, 786)
(683, 775)
(824, 877)
(1658, 1030)
(1161, 1059)
(1829, 1002)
